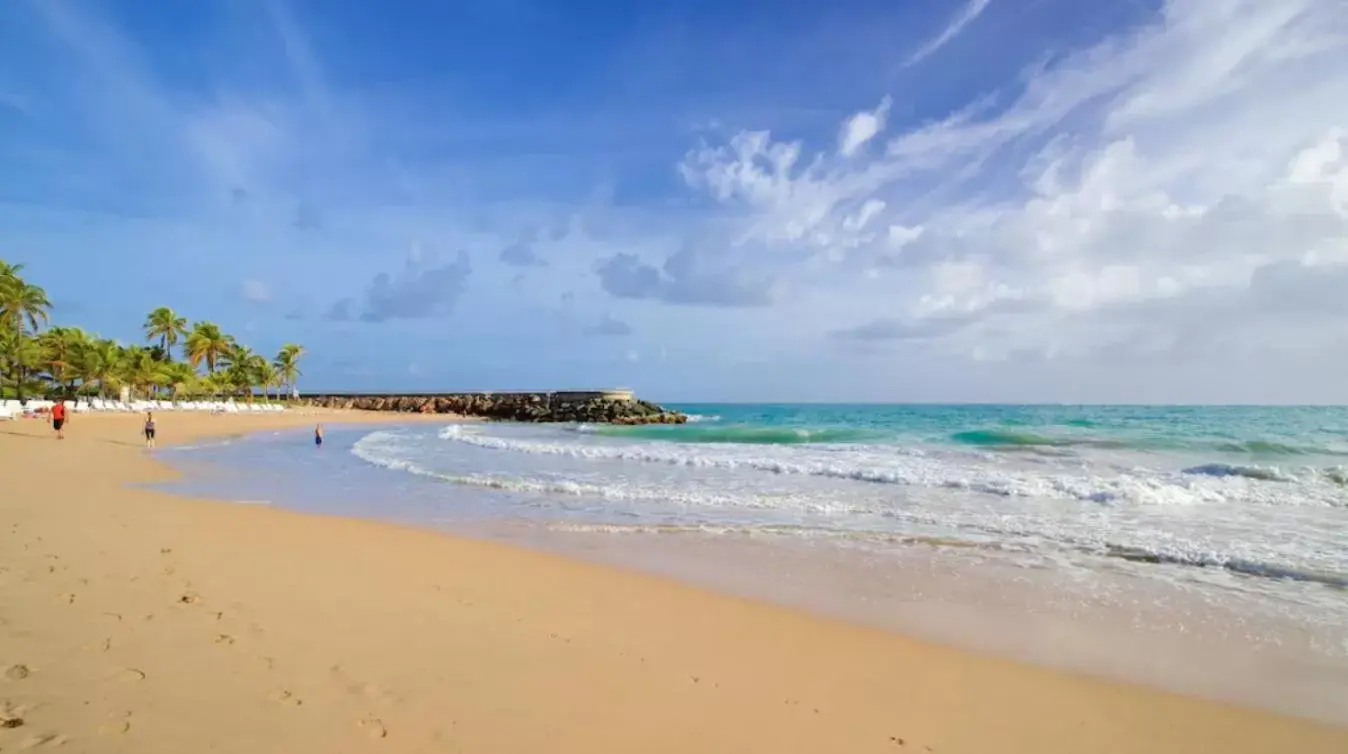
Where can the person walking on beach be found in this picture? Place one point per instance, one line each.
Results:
(58, 419)
(318, 436)
(149, 430)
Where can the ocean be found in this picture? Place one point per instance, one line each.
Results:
(1228, 525)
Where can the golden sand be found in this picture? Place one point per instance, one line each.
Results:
(135, 621)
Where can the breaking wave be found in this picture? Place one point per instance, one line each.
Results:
(740, 434)
(909, 467)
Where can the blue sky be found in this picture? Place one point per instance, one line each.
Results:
(1004, 200)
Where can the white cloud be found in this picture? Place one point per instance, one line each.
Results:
(1149, 188)
(967, 15)
(862, 127)
(900, 235)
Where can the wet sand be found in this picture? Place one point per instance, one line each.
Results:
(135, 621)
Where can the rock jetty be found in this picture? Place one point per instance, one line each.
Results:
(588, 408)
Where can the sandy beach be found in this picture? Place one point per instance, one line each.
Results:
(135, 621)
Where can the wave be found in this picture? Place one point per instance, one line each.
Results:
(1008, 439)
(372, 449)
(1009, 436)
(1249, 472)
(1269, 448)
(1004, 439)
(1235, 565)
(740, 434)
(996, 437)
(662, 503)
(890, 465)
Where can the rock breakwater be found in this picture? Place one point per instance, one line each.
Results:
(589, 408)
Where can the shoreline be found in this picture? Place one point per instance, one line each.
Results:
(280, 631)
(1118, 622)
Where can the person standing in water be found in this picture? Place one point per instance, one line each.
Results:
(58, 419)
(318, 436)
(149, 430)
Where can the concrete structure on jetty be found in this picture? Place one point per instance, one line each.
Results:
(587, 406)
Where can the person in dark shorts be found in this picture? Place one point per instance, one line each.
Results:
(318, 436)
(58, 419)
(149, 430)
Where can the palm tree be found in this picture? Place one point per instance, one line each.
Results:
(212, 384)
(140, 370)
(16, 356)
(164, 324)
(207, 344)
(23, 307)
(241, 370)
(62, 349)
(267, 376)
(178, 377)
(68, 360)
(288, 365)
(101, 364)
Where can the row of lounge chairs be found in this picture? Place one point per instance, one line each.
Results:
(12, 409)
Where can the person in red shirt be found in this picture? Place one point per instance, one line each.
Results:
(58, 419)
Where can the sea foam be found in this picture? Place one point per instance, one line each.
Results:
(899, 466)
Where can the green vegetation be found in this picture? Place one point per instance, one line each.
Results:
(36, 360)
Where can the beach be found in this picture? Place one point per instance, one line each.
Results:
(139, 621)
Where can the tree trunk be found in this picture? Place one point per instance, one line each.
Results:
(18, 361)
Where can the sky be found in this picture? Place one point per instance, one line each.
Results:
(768, 200)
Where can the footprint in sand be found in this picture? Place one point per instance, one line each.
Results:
(282, 696)
(370, 691)
(17, 672)
(373, 727)
(129, 674)
(11, 715)
(121, 723)
(43, 739)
